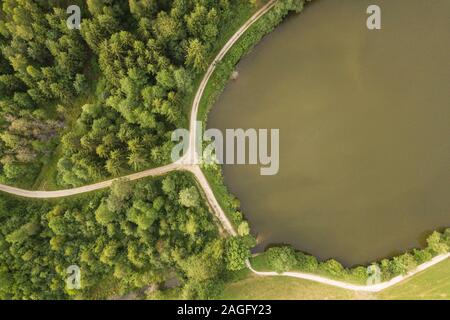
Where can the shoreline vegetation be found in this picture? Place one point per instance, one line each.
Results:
(286, 259)
(433, 283)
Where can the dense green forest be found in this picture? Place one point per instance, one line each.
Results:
(41, 65)
(130, 236)
(286, 258)
(147, 55)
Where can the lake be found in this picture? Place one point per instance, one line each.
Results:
(364, 129)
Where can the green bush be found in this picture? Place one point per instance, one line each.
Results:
(385, 267)
(332, 267)
(236, 252)
(249, 240)
(446, 237)
(401, 265)
(359, 273)
(306, 262)
(437, 243)
(281, 259)
(236, 217)
(421, 256)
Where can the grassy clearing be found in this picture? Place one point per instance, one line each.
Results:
(283, 288)
(106, 289)
(433, 283)
(47, 178)
(168, 294)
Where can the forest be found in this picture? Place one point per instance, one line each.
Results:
(122, 239)
(134, 62)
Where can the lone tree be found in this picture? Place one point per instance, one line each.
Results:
(189, 197)
(281, 259)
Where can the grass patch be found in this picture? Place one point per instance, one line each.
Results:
(105, 289)
(260, 263)
(282, 288)
(48, 175)
(433, 283)
(167, 294)
(228, 202)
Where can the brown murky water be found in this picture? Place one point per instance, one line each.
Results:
(364, 129)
